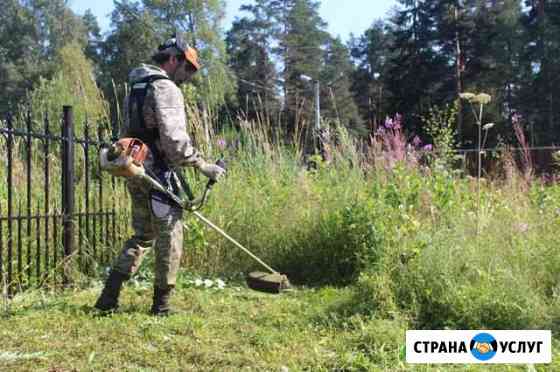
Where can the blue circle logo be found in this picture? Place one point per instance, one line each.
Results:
(484, 346)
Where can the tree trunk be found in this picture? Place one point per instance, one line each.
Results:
(545, 65)
(459, 75)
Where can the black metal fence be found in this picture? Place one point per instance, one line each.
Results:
(59, 215)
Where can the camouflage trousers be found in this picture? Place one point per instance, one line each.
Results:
(157, 226)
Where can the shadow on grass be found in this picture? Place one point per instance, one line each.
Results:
(74, 310)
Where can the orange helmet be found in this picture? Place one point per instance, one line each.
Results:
(178, 44)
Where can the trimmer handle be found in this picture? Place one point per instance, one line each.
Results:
(220, 163)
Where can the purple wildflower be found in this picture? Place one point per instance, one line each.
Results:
(516, 118)
(398, 121)
(221, 143)
(428, 147)
(416, 141)
(389, 123)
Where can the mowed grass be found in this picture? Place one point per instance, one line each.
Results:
(214, 330)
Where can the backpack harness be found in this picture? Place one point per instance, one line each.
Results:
(138, 127)
(168, 177)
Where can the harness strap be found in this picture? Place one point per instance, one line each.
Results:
(138, 128)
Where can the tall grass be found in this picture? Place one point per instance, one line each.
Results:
(403, 231)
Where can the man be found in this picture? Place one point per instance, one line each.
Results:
(154, 112)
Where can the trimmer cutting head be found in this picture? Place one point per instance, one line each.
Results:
(267, 282)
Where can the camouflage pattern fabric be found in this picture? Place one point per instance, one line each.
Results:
(164, 108)
(163, 233)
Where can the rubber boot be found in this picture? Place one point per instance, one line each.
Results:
(161, 306)
(109, 299)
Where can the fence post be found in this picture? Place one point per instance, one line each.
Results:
(10, 143)
(68, 188)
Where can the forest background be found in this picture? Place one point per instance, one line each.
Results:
(421, 56)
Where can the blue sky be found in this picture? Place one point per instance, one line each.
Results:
(343, 16)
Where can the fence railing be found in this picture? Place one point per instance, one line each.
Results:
(58, 213)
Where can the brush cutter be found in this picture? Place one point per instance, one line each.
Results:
(126, 158)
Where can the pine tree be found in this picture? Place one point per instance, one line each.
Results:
(482, 40)
(418, 76)
(248, 47)
(540, 97)
(446, 47)
(92, 50)
(370, 53)
(289, 36)
(298, 38)
(337, 100)
(302, 48)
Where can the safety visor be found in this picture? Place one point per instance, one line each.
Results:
(179, 43)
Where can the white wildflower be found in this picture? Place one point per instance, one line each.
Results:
(468, 96)
(483, 98)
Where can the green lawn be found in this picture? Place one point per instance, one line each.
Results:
(215, 330)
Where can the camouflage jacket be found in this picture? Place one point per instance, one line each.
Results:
(164, 109)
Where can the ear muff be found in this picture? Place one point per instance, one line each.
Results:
(191, 55)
